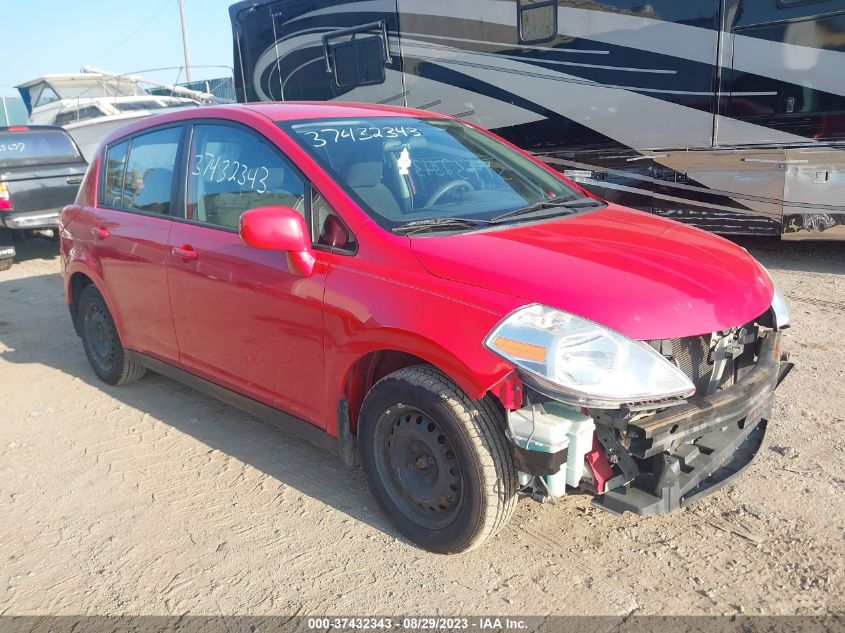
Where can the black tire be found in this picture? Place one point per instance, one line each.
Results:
(6, 264)
(437, 462)
(102, 343)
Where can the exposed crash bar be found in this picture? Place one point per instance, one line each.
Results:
(750, 397)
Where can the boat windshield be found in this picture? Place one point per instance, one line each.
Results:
(96, 87)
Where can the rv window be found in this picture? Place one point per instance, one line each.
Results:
(358, 62)
(537, 20)
(309, 82)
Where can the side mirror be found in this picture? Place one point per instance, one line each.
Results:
(279, 229)
(335, 234)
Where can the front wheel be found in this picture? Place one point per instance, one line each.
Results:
(438, 462)
(6, 264)
(101, 342)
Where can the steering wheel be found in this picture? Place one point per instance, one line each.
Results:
(445, 188)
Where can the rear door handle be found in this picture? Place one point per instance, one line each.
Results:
(100, 232)
(185, 252)
(74, 180)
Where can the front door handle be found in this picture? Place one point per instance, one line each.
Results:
(100, 232)
(186, 252)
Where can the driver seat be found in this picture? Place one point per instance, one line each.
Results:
(365, 178)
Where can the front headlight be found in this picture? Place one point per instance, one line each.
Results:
(581, 362)
(779, 306)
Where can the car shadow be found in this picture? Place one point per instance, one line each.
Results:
(808, 256)
(36, 248)
(39, 330)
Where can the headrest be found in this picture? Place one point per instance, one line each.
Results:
(364, 174)
(411, 142)
(157, 177)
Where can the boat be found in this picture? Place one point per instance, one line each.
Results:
(92, 103)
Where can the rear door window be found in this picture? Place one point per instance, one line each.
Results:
(139, 174)
(232, 170)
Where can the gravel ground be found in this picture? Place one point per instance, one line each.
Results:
(153, 499)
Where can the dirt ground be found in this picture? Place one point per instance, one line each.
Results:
(153, 499)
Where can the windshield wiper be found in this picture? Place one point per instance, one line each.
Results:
(435, 224)
(447, 223)
(548, 203)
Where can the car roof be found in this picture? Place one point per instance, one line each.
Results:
(293, 110)
(275, 111)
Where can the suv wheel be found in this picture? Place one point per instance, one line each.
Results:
(102, 344)
(438, 462)
(6, 264)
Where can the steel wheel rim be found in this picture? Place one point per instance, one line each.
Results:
(418, 466)
(100, 338)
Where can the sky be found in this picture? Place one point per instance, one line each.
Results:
(122, 36)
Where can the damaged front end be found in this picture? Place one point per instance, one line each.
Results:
(651, 457)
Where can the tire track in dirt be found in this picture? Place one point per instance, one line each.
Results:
(837, 306)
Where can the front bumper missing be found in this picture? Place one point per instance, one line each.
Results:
(693, 449)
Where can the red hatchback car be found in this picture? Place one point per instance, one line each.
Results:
(408, 288)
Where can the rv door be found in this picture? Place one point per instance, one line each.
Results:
(301, 50)
(782, 72)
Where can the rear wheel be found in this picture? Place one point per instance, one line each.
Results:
(7, 240)
(101, 342)
(437, 461)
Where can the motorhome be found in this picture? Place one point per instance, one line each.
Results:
(727, 114)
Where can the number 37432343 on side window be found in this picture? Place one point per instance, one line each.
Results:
(410, 291)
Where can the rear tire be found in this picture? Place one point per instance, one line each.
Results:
(437, 462)
(102, 343)
(7, 239)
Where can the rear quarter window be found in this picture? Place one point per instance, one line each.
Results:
(114, 166)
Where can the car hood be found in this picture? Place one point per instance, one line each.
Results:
(644, 276)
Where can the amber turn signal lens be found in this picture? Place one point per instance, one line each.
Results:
(518, 349)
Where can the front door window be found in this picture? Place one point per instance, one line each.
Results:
(232, 171)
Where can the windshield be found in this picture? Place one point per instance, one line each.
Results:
(405, 170)
(36, 146)
(97, 87)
